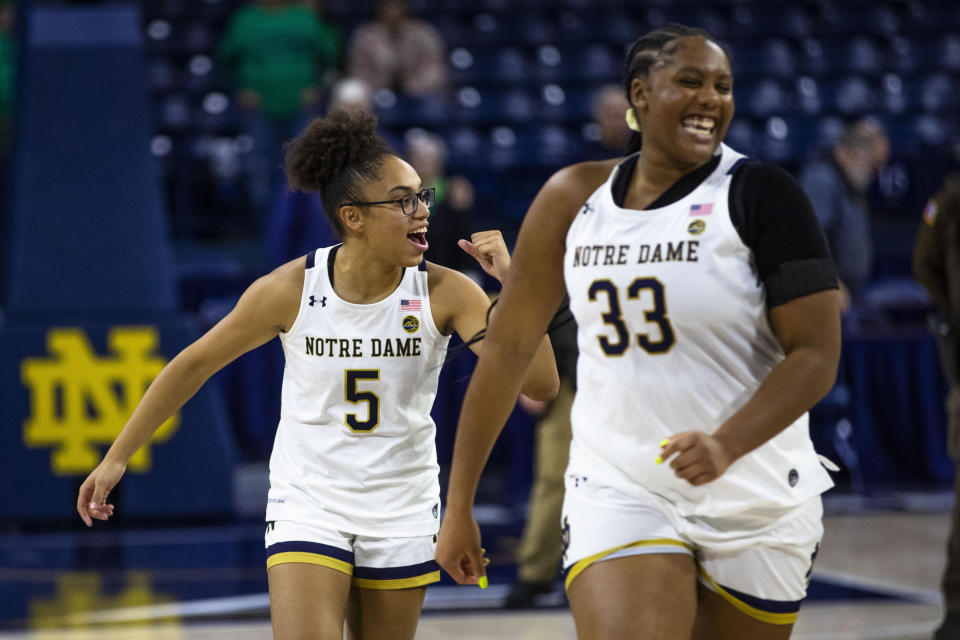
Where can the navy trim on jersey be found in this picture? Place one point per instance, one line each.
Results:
(679, 189)
(773, 217)
(330, 256)
(311, 258)
(770, 606)
(736, 165)
(311, 547)
(423, 265)
(395, 573)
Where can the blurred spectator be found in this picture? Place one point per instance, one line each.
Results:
(8, 66)
(282, 55)
(609, 123)
(451, 216)
(837, 186)
(541, 548)
(297, 222)
(936, 264)
(398, 52)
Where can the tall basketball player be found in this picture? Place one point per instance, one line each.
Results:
(709, 324)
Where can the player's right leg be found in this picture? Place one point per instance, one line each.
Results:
(629, 573)
(307, 601)
(648, 597)
(309, 571)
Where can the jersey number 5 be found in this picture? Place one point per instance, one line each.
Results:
(351, 394)
(614, 316)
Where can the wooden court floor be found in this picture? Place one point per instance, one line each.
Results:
(876, 577)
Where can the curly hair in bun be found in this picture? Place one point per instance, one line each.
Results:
(336, 155)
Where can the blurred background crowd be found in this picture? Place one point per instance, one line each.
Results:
(487, 98)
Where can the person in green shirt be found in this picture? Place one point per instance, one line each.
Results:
(281, 55)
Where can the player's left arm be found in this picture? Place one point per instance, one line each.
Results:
(804, 312)
(467, 307)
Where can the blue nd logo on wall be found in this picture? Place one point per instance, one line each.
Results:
(68, 392)
(80, 400)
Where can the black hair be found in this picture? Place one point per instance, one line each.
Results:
(650, 49)
(336, 155)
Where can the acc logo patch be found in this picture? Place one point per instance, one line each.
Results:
(696, 227)
(410, 324)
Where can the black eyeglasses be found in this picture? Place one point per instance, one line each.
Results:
(408, 203)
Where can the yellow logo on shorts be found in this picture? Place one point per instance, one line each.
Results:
(79, 400)
(696, 227)
(411, 324)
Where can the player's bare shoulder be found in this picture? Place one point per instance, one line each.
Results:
(277, 294)
(580, 180)
(571, 186)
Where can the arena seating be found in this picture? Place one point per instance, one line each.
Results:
(524, 73)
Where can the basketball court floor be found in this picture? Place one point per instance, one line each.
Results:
(876, 577)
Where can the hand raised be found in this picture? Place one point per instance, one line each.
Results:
(488, 249)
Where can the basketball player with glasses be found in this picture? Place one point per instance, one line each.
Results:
(354, 501)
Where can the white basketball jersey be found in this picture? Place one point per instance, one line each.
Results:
(355, 445)
(673, 336)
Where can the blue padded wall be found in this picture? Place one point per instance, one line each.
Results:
(87, 230)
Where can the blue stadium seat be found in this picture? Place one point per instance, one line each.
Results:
(501, 65)
(781, 142)
(593, 63)
(612, 26)
(932, 17)
(529, 27)
(851, 96)
(932, 130)
(484, 28)
(701, 16)
(466, 146)
(197, 37)
(903, 56)
(845, 19)
(742, 137)
(937, 93)
(752, 20)
(813, 58)
(861, 54)
(773, 57)
(896, 96)
(807, 96)
(162, 75)
(558, 104)
(573, 27)
(175, 113)
(765, 98)
(490, 106)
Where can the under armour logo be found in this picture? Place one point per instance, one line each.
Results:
(586, 208)
(322, 301)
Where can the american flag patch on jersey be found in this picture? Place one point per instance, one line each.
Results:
(701, 209)
(409, 305)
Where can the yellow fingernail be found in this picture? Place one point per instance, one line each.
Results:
(665, 442)
(659, 460)
(483, 582)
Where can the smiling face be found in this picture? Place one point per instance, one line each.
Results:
(394, 236)
(685, 103)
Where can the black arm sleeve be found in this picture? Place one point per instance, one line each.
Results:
(775, 220)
